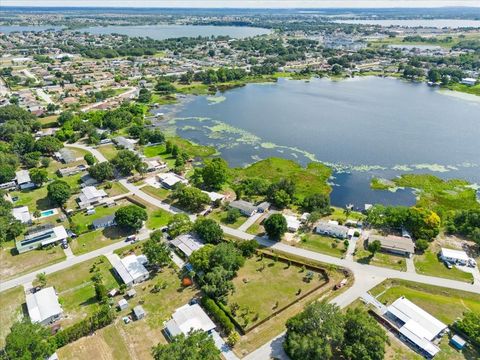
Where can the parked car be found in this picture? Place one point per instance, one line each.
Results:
(64, 244)
(472, 262)
(340, 284)
(131, 238)
(448, 265)
(164, 229)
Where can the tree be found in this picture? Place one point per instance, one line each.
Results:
(190, 198)
(156, 250)
(102, 171)
(214, 173)
(28, 341)
(227, 256)
(315, 332)
(208, 230)
(200, 259)
(470, 325)
(275, 226)
(233, 215)
(317, 202)
(281, 199)
(7, 172)
(165, 87)
(39, 176)
(48, 145)
(126, 161)
(42, 279)
(248, 247)
(59, 192)
(179, 224)
(131, 216)
(197, 345)
(10, 227)
(374, 247)
(144, 96)
(421, 245)
(89, 158)
(363, 337)
(217, 284)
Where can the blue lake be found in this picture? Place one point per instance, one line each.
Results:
(361, 127)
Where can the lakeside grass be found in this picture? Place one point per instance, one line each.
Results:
(473, 90)
(309, 180)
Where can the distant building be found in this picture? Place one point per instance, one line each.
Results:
(22, 214)
(416, 326)
(468, 81)
(187, 243)
(394, 244)
(65, 155)
(43, 306)
(90, 195)
(332, 229)
(130, 269)
(454, 256)
(170, 179)
(122, 304)
(246, 208)
(293, 224)
(187, 318)
(23, 180)
(214, 196)
(154, 165)
(125, 143)
(69, 171)
(41, 236)
(104, 222)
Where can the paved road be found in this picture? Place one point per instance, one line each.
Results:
(97, 154)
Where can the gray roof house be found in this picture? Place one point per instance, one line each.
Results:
(65, 155)
(395, 244)
(246, 208)
(104, 222)
(128, 144)
(332, 229)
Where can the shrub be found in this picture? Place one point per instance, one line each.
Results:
(212, 309)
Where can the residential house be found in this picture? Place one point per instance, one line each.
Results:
(130, 269)
(90, 195)
(73, 170)
(43, 306)
(128, 144)
(188, 318)
(65, 155)
(170, 179)
(293, 224)
(104, 222)
(155, 165)
(333, 229)
(394, 244)
(246, 208)
(41, 236)
(138, 312)
(22, 214)
(23, 180)
(187, 243)
(454, 256)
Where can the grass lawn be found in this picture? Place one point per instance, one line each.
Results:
(48, 119)
(474, 90)
(256, 228)
(364, 256)
(109, 151)
(13, 264)
(11, 302)
(309, 180)
(159, 193)
(75, 288)
(97, 239)
(158, 218)
(35, 199)
(137, 338)
(159, 150)
(323, 244)
(83, 221)
(116, 189)
(261, 286)
(445, 304)
(429, 264)
(221, 216)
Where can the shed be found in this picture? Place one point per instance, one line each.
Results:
(131, 293)
(457, 342)
(122, 304)
(138, 312)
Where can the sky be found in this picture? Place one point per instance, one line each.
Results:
(244, 3)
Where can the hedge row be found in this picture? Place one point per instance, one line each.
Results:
(213, 310)
(98, 320)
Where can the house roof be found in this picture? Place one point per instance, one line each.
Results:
(22, 176)
(187, 243)
(214, 196)
(91, 192)
(332, 228)
(396, 243)
(67, 155)
(454, 254)
(45, 236)
(103, 221)
(138, 311)
(243, 205)
(292, 222)
(129, 268)
(170, 179)
(189, 317)
(21, 213)
(43, 304)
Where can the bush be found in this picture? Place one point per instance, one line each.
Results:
(212, 309)
(421, 245)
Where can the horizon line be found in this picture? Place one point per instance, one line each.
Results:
(237, 8)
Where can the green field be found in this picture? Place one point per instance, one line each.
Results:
(473, 90)
(261, 286)
(158, 218)
(109, 151)
(309, 180)
(429, 264)
(323, 244)
(159, 193)
(97, 239)
(82, 221)
(221, 216)
(445, 304)
(11, 302)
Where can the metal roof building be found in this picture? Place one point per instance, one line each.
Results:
(187, 318)
(395, 244)
(22, 214)
(332, 229)
(245, 207)
(130, 269)
(43, 306)
(187, 243)
(41, 236)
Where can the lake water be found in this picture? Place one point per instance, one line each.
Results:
(361, 127)
(432, 23)
(10, 29)
(160, 32)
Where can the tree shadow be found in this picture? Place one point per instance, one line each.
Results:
(115, 232)
(365, 260)
(44, 204)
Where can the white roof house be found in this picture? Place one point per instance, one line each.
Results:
(187, 318)
(214, 196)
(90, 195)
(130, 269)
(293, 224)
(187, 243)
(43, 306)
(153, 165)
(42, 236)
(454, 255)
(22, 214)
(170, 179)
(23, 179)
(332, 228)
(416, 325)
